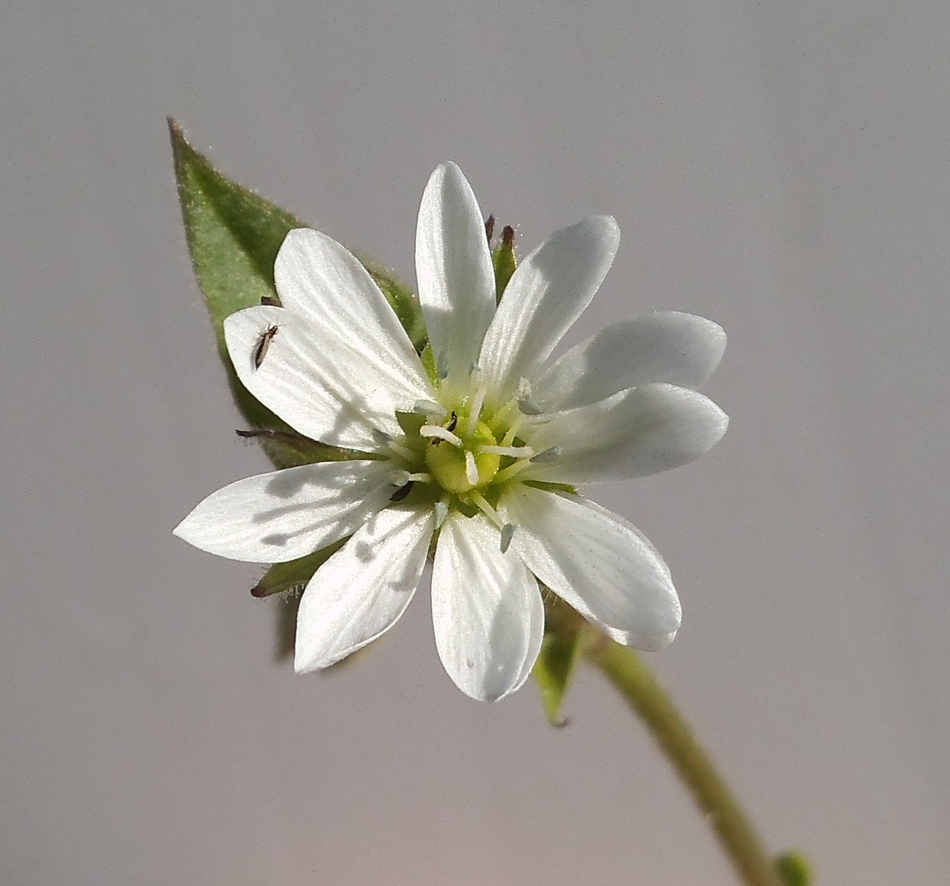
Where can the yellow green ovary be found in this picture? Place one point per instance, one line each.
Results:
(447, 463)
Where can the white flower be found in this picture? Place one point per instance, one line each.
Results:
(487, 456)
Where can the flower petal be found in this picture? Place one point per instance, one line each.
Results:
(361, 591)
(453, 270)
(323, 282)
(665, 346)
(325, 391)
(546, 294)
(486, 610)
(597, 562)
(283, 515)
(635, 433)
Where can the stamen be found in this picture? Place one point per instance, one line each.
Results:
(512, 470)
(485, 508)
(471, 469)
(513, 430)
(442, 365)
(512, 451)
(420, 478)
(507, 532)
(477, 402)
(441, 434)
(428, 407)
(548, 455)
(441, 510)
(405, 452)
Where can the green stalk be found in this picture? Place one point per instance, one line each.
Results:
(643, 692)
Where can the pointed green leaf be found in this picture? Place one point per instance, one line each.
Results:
(233, 237)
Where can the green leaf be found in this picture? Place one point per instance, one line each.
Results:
(560, 648)
(233, 237)
(794, 869)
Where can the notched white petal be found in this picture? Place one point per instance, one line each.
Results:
(323, 390)
(665, 346)
(283, 515)
(486, 610)
(546, 294)
(635, 433)
(597, 562)
(363, 589)
(453, 271)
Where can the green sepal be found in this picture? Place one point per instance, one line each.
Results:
(288, 449)
(291, 578)
(560, 649)
(503, 261)
(233, 237)
(794, 869)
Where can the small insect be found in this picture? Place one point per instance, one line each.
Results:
(263, 343)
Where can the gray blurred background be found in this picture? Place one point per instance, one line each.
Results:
(780, 168)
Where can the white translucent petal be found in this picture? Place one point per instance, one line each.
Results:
(361, 591)
(325, 391)
(666, 346)
(597, 562)
(454, 271)
(283, 515)
(322, 281)
(546, 294)
(486, 610)
(635, 433)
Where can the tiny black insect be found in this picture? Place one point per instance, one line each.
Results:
(260, 352)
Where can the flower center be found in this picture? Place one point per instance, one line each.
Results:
(461, 468)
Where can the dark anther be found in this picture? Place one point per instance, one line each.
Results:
(490, 227)
(402, 492)
(452, 421)
(508, 237)
(271, 301)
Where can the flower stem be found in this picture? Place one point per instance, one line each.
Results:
(643, 692)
